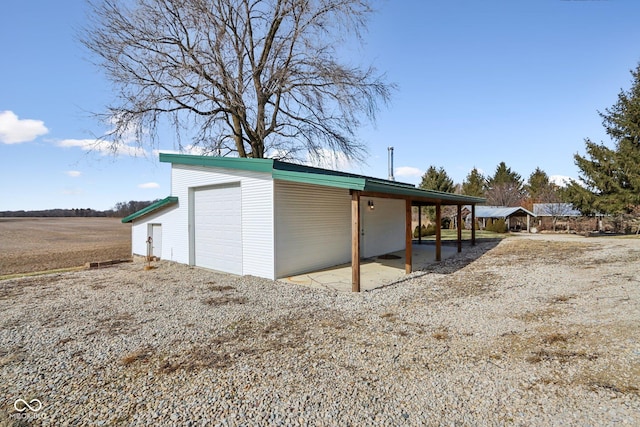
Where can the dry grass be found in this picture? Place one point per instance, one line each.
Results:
(541, 315)
(220, 288)
(120, 324)
(520, 251)
(554, 338)
(442, 334)
(562, 356)
(141, 355)
(224, 300)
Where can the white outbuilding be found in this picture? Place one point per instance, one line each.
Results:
(274, 219)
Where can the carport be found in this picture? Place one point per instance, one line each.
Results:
(413, 197)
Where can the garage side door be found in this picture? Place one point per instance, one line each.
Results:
(217, 235)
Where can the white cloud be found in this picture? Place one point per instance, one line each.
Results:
(408, 171)
(73, 174)
(14, 130)
(103, 147)
(149, 185)
(561, 180)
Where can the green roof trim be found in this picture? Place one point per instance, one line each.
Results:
(171, 200)
(255, 165)
(311, 175)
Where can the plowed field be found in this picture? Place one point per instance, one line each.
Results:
(39, 244)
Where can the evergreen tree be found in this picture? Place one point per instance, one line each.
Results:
(437, 179)
(611, 176)
(474, 184)
(538, 184)
(505, 187)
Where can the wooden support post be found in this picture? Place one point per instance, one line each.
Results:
(473, 225)
(438, 232)
(459, 220)
(408, 255)
(355, 241)
(419, 224)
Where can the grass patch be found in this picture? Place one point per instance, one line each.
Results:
(41, 273)
(452, 235)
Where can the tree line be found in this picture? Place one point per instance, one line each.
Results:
(120, 210)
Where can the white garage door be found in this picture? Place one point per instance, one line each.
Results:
(218, 229)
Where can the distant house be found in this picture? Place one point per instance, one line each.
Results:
(516, 218)
(555, 209)
(550, 213)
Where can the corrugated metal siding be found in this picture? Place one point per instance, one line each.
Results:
(313, 227)
(383, 227)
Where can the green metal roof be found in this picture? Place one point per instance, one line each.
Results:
(153, 207)
(310, 175)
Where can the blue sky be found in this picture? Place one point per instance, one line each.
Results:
(479, 82)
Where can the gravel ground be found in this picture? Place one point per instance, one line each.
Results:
(538, 330)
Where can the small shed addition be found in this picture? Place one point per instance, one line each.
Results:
(275, 219)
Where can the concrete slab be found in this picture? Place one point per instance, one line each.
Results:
(374, 272)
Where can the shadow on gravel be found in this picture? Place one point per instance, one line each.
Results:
(468, 255)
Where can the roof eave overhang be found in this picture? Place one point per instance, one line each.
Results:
(315, 176)
(167, 201)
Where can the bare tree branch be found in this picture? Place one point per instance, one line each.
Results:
(249, 77)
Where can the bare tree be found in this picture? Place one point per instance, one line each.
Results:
(253, 77)
(556, 210)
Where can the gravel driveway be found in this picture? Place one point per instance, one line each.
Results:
(538, 330)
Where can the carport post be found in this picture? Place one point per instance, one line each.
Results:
(408, 256)
(355, 241)
(473, 225)
(459, 221)
(438, 232)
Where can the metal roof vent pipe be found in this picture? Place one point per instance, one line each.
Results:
(391, 177)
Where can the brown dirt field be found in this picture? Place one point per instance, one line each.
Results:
(38, 244)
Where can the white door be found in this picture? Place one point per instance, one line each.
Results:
(217, 220)
(156, 240)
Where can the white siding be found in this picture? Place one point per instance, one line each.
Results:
(313, 227)
(257, 216)
(383, 228)
(140, 230)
